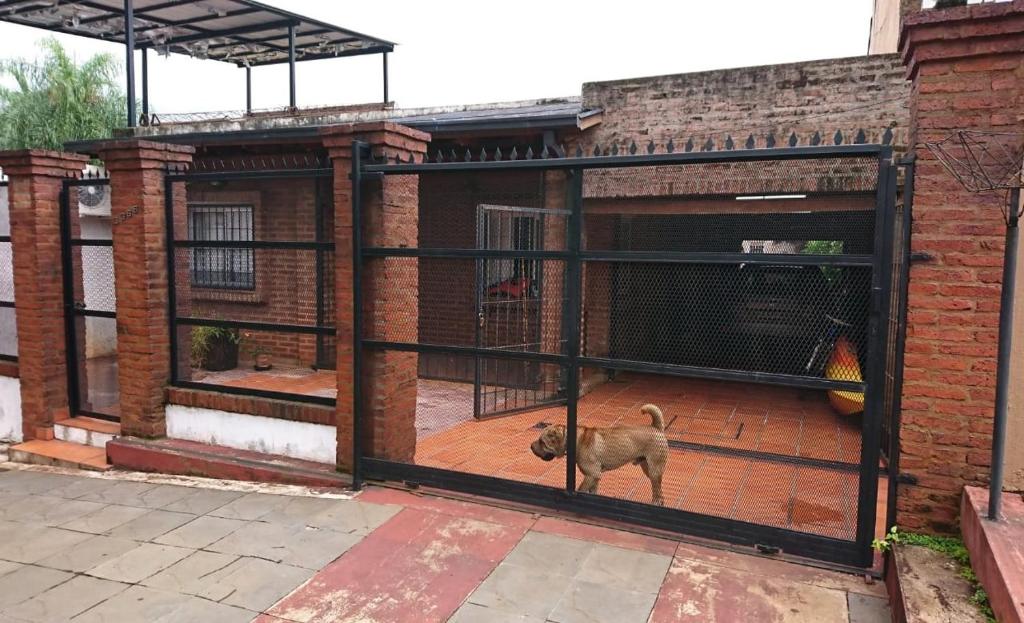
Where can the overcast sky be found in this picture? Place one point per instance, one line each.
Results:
(473, 51)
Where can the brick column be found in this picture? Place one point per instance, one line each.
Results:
(967, 67)
(140, 265)
(34, 195)
(390, 218)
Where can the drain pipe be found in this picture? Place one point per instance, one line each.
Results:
(995, 487)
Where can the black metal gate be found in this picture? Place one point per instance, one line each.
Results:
(89, 300)
(748, 293)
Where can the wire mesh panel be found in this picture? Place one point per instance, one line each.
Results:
(253, 265)
(707, 322)
(89, 278)
(8, 326)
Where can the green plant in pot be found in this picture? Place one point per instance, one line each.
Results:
(260, 353)
(215, 348)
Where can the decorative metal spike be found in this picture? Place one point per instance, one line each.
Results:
(483, 155)
(861, 137)
(816, 139)
(838, 138)
(670, 146)
(544, 152)
(615, 148)
(561, 150)
(750, 142)
(468, 156)
(689, 145)
(398, 159)
(729, 144)
(497, 153)
(709, 145)
(887, 137)
(529, 153)
(632, 148)
(412, 158)
(597, 150)
(770, 142)
(439, 157)
(793, 140)
(514, 154)
(579, 151)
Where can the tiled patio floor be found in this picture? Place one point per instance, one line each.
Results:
(711, 418)
(291, 380)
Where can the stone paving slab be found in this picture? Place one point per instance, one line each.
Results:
(65, 600)
(150, 525)
(140, 603)
(138, 564)
(200, 532)
(27, 581)
(89, 553)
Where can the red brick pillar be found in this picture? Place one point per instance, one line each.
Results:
(967, 67)
(390, 218)
(34, 195)
(137, 198)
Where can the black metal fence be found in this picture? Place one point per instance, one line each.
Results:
(8, 326)
(251, 263)
(746, 292)
(90, 303)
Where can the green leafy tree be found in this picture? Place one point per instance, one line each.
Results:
(47, 102)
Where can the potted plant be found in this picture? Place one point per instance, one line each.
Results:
(215, 348)
(261, 359)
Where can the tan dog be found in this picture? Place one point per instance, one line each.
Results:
(599, 450)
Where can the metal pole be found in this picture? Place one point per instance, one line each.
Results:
(995, 487)
(291, 66)
(129, 45)
(248, 89)
(145, 84)
(385, 77)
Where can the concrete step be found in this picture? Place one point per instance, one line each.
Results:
(60, 454)
(176, 456)
(86, 431)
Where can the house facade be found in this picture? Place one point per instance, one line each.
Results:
(449, 324)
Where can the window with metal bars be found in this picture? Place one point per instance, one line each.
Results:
(218, 267)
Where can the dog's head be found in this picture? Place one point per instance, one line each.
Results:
(551, 443)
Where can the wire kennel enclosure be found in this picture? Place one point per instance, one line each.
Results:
(735, 289)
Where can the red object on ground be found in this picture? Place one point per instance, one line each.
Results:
(517, 288)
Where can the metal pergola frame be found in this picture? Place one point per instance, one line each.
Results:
(243, 32)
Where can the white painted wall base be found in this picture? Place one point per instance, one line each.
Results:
(10, 409)
(298, 440)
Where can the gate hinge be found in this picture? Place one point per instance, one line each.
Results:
(921, 256)
(906, 479)
(767, 549)
(412, 484)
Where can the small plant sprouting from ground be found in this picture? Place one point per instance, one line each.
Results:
(952, 547)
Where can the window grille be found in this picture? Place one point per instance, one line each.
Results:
(221, 268)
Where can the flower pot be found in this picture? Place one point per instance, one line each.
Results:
(262, 362)
(222, 355)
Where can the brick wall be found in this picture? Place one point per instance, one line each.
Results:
(838, 94)
(968, 70)
(285, 280)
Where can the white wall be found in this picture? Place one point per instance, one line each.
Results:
(298, 440)
(8, 330)
(98, 285)
(10, 409)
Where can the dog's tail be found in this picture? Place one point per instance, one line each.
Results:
(657, 419)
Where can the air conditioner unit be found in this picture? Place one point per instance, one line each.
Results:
(94, 200)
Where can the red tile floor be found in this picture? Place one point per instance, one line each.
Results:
(291, 380)
(717, 415)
